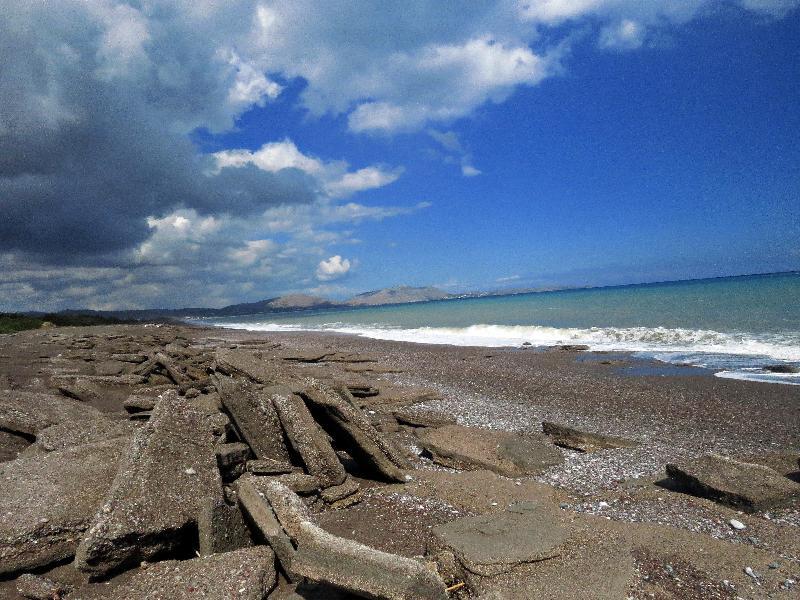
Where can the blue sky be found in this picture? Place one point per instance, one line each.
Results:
(178, 156)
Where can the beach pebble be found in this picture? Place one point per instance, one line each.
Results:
(737, 524)
(749, 572)
(774, 565)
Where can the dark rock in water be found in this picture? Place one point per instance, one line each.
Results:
(306, 437)
(782, 369)
(503, 452)
(151, 510)
(35, 587)
(745, 486)
(348, 424)
(221, 527)
(495, 543)
(254, 416)
(571, 347)
(27, 413)
(583, 441)
(246, 574)
(53, 499)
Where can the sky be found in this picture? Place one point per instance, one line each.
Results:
(196, 153)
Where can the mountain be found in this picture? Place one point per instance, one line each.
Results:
(398, 295)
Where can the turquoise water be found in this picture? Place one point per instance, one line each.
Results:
(737, 325)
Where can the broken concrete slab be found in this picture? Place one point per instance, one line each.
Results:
(46, 502)
(11, 445)
(231, 459)
(745, 486)
(325, 558)
(505, 453)
(76, 433)
(306, 437)
(246, 362)
(495, 543)
(139, 403)
(395, 397)
(340, 495)
(266, 466)
(151, 510)
(246, 574)
(27, 413)
(336, 408)
(101, 391)
(583, 441)
(254, 416)
(171, 368)
(135, 358)
(422, 418)
(221, 527)
(255, 503)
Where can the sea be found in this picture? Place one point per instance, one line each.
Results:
(737, 327)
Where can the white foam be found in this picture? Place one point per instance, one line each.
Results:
(778, 347)
(761, 377)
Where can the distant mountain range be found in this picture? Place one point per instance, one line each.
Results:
(291, 302)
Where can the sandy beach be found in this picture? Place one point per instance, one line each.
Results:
(631, 531)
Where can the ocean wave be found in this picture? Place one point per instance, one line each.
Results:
(663, 343)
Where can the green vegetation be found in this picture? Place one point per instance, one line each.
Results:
(12, 322)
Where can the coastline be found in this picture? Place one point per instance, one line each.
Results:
(670, 418)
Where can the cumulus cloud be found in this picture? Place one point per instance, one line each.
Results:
(334, 267)
(333, 176)
(455, 151)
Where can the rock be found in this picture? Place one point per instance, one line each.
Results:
(152, 507)
(391, 397)
(27, 413)
(76, 433)
(301, 483)
(171, 368)
(505, 453)
(130, 357)
(109, 367)
(221, 527)
(745, 486)
(363, 391)
(138, 403)
(249, 363)
(246, 574)
(737, 524)
(349, 425)
(495, 543)
(306, 437)
(570, 347)
(231, 459)
(11, 445)
(36, 587)
(782, 368)
(46, 502)
(583, 441)
(266, 466)
(337, 493)
(254, 416)
(423, 418)
(346, 564)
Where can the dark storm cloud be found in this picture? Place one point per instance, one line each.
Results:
(95, 104)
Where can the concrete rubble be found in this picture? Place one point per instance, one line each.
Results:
(745, 486)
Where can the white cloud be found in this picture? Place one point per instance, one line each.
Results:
(625, 35)
(469, 171)
(334, 267)
(333, 176)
